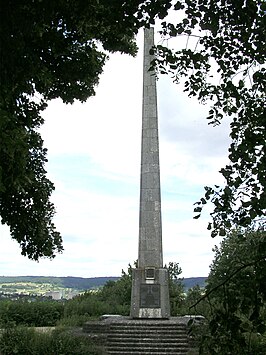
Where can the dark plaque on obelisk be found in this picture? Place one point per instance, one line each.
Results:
(150, 296)
(150, 291)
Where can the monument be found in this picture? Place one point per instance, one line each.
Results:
(150, 291)
(149, 329)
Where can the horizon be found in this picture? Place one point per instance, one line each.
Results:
(92, 277)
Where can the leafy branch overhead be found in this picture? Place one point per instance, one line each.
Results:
(226, 66)
(57, 49)
(49, 49)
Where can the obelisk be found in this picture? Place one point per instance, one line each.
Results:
(150, 291)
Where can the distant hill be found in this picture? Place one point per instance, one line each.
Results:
(82, 283)
(78, 283)
(189, 282)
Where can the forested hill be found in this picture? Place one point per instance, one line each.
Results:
(81, 283)
(193, 281)
(78, 283)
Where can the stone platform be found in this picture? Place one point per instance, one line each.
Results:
(125, 336)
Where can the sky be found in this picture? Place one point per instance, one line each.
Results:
(94, 163)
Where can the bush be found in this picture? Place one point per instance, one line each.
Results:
(17, 341)
(74, 320)
(25, 341)
(35, 314)
(92, 305)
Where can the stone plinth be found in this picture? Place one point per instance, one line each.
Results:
(150, 297)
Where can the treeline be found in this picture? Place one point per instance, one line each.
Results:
(80, 283)
(233, 303)
(113, 298)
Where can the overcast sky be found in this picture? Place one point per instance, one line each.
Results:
(94, 162)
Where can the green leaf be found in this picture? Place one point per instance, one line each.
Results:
(203, 201)
(198, 209)
(197, 217)
(222, 233)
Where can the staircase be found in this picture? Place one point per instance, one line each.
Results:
(147, 338)
(142, 337)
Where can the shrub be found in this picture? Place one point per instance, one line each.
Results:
(36, 314)
(91, 305)
(25, 341)
(17, 341)
(74, 320)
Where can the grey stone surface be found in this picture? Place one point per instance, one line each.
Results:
(150, 225)
(123, 335)
(150, 295)
(128, 320)
(160, 281)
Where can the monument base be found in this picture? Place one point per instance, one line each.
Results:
(150, 293)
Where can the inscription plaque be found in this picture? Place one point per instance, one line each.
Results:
(150, 296)
(150, 273)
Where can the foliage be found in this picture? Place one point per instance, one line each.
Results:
(192, 304)
(66, 342)
(36, 314)
(75, 320)
(190, 282)
(26, 341)
(119, 292)
(176, 288)
(88, 304)
(115, 296)
(224, 63)
(17, 341)
(58, 49)
(50, 49)
(112, 298)
(237, 296)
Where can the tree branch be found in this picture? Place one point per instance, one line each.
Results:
(226, 280)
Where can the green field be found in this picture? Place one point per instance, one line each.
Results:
(37, 289)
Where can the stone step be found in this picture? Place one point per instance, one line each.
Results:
(148, 352)
(159, 337)
(149, 325)
(147, 332)
(143, 345)
(148, 339)
(145, 348)
(116, 339)
(153, 328)
(145, 337)
(153, 352)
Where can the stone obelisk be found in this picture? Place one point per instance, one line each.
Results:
(150, 291)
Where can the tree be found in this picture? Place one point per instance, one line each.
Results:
(226, 66)
(49, 49)
(176, 288)
(194, 294)
(58, 49)
(237, 296)
(117, 294)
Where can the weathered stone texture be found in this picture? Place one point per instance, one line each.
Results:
(150, 225)
(150, 295)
